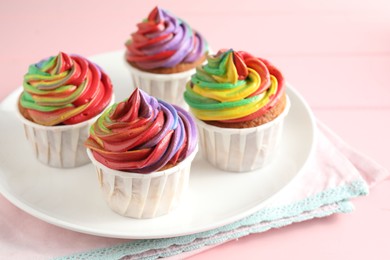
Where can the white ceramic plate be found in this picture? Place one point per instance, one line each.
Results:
(71, 198)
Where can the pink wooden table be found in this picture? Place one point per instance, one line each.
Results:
(335, 53)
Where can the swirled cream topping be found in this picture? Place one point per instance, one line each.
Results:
(142, 134)
(65, 89)
(233, 87)
(164, 41)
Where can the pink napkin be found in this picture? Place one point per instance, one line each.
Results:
(336, 173)
(335, 164)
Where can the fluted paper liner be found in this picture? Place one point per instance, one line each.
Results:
(59, 146)
(167, 87)
(140, 195)
(241, 150)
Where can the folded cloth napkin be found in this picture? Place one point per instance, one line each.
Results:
(335, 174)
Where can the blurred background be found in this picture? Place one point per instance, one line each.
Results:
(311, 41)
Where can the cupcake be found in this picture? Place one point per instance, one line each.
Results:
(239, 103)
(61, 96)
(163, 54)
(142, 149)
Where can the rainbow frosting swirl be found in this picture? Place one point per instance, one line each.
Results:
(65, 89)
(164, 41)
(142, 134)
(233, 87)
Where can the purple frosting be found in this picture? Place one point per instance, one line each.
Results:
(164, 41)
(119, 137)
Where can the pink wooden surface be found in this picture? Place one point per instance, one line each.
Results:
(336, 53)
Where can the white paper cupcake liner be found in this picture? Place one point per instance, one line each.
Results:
(167, 87)
(241, 150)
(141, 196)
(59, 146)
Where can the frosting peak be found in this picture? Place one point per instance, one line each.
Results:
(164, 41)
(65, 89)
(233, 86)
(142, 134)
